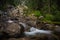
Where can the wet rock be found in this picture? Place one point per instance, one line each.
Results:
(31, 23)
(12, 39)
(57, 28)
(14, 29)
(12, 12)
(1, 12)
(24, 38)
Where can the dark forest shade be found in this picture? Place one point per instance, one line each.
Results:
(4, 3)
(58, 3)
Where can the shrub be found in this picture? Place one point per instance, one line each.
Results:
(48, 17)
(37, 13)
(57, 17)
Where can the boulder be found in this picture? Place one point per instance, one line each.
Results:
(13, 29)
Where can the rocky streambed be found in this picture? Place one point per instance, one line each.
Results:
(16, 26)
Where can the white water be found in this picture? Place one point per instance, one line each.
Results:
(10, 21)
(24, 25)
(34, 31)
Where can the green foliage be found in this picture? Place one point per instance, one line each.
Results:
(37, 13)
(48, 17)
(50, 12)
(33, 4)
(14, 2)
(57, 16)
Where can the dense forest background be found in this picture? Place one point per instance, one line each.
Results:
(50, 9)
